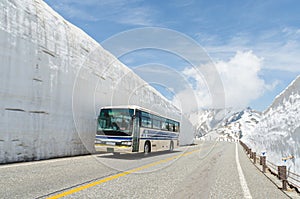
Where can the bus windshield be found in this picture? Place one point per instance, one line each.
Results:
(115, 122)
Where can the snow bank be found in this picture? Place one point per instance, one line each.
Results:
(278, 132)
(54, 78)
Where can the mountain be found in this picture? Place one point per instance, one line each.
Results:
(206, 120)
(240, 123)
(228, 123)
(278, 132)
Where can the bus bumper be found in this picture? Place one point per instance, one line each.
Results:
(113, 149)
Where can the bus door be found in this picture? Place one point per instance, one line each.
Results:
(136, 134)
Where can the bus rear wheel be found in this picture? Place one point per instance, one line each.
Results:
(147, 147)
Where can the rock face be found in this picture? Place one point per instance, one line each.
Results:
(278, 132)
(54, 78)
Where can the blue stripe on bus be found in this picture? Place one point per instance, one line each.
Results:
(160, 134)
(155, 135)
(156, 138)
(147, 134)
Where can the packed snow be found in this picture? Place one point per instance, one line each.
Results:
(54, 79)
(278, 132)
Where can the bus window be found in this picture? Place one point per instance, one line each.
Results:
(144, 114)
(115, 120)
(165, 125)
(156, 124)
(146, 122)
(172, 126)
(176, 127)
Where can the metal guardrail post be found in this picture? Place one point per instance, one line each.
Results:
(279, 172)
(263, 163)
(282, 172)
(260, 160)
(282, 176)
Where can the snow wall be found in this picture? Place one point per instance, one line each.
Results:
(278, 132)
(54, 79)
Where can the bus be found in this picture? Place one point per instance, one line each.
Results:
(126, 129)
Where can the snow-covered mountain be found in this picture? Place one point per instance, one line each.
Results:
(240, 123)
(278, 132)
(227, 122)
(206, 120)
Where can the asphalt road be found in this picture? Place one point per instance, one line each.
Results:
(206, 170)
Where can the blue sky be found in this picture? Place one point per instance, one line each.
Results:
(255, 40)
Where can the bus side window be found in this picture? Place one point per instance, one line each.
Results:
(177, 127)
(146, 122)
(165, 125)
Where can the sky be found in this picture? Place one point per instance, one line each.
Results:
(254, 45)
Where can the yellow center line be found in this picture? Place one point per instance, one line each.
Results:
(77, 189)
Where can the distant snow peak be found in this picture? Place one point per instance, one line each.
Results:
(240, 123)
(228, 123)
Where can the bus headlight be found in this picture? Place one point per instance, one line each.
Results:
(98, 142)
(127, 143)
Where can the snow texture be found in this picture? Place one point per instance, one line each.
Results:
(211, 120)
(54, 79)
(278, 132)
(226, 124)
(240, 123)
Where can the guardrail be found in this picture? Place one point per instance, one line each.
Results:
(287, 177)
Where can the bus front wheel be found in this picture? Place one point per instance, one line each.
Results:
(147, 147)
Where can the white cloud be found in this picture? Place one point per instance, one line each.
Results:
(240, 77)
(280, 48)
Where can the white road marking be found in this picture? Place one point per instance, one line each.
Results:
(241, 175)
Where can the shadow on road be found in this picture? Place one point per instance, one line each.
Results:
(135, 156)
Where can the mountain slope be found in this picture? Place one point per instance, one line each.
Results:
(278, 132)
(241, 123)
(207, 120)
(224, 123)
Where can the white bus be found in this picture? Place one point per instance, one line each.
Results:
(124, 129)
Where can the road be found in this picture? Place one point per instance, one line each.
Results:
(206, 170)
